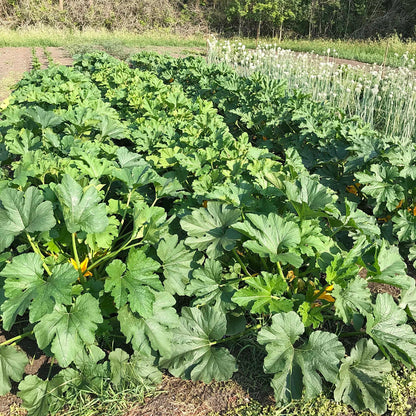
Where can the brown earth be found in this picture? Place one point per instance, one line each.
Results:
(15, 61)
(176, 397)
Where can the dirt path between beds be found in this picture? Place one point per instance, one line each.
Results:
(14, 62)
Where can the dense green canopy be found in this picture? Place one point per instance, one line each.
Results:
(331, 18)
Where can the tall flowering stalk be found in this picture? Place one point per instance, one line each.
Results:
(382, 97)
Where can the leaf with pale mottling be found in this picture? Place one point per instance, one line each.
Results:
(26, 287)
(136, 369)
(176, 263)
(81, 208)
(154, 332)
(264, 294)
(23, 212)
(271, 236)
(298, 367)
(387, 326)
(354, 298)
(361, 376)
(210, 228)
(193, 354)
(69, 331)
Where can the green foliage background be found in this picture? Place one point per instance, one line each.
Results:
(312, 18)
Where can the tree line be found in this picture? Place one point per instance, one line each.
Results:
(276, 18)
(313, 18)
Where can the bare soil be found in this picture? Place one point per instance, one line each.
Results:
(14, 62)
(176, 397)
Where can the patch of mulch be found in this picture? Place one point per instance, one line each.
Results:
(377, 288)
(10, 403)
(178, 397)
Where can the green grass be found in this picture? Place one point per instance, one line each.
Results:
(400, 384)
(44, 36)
(109, 402)
(83, 403)
(388, 51)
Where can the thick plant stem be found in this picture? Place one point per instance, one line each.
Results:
(16, 339)
(237, 336)
(237, 280)
(50, 367)
(279, 268)
(113, 254)
(243, 266)
(37, 251)
(154, 202)
(76, 258)
(75, 251)
(125, 211)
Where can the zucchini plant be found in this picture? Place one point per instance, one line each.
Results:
(140, 234)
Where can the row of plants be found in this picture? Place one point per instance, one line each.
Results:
(382, 96)
(373, 170)
(144, 227)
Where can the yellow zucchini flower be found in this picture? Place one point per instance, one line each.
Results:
(83, 267)
(353, 189)
(325, 295)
